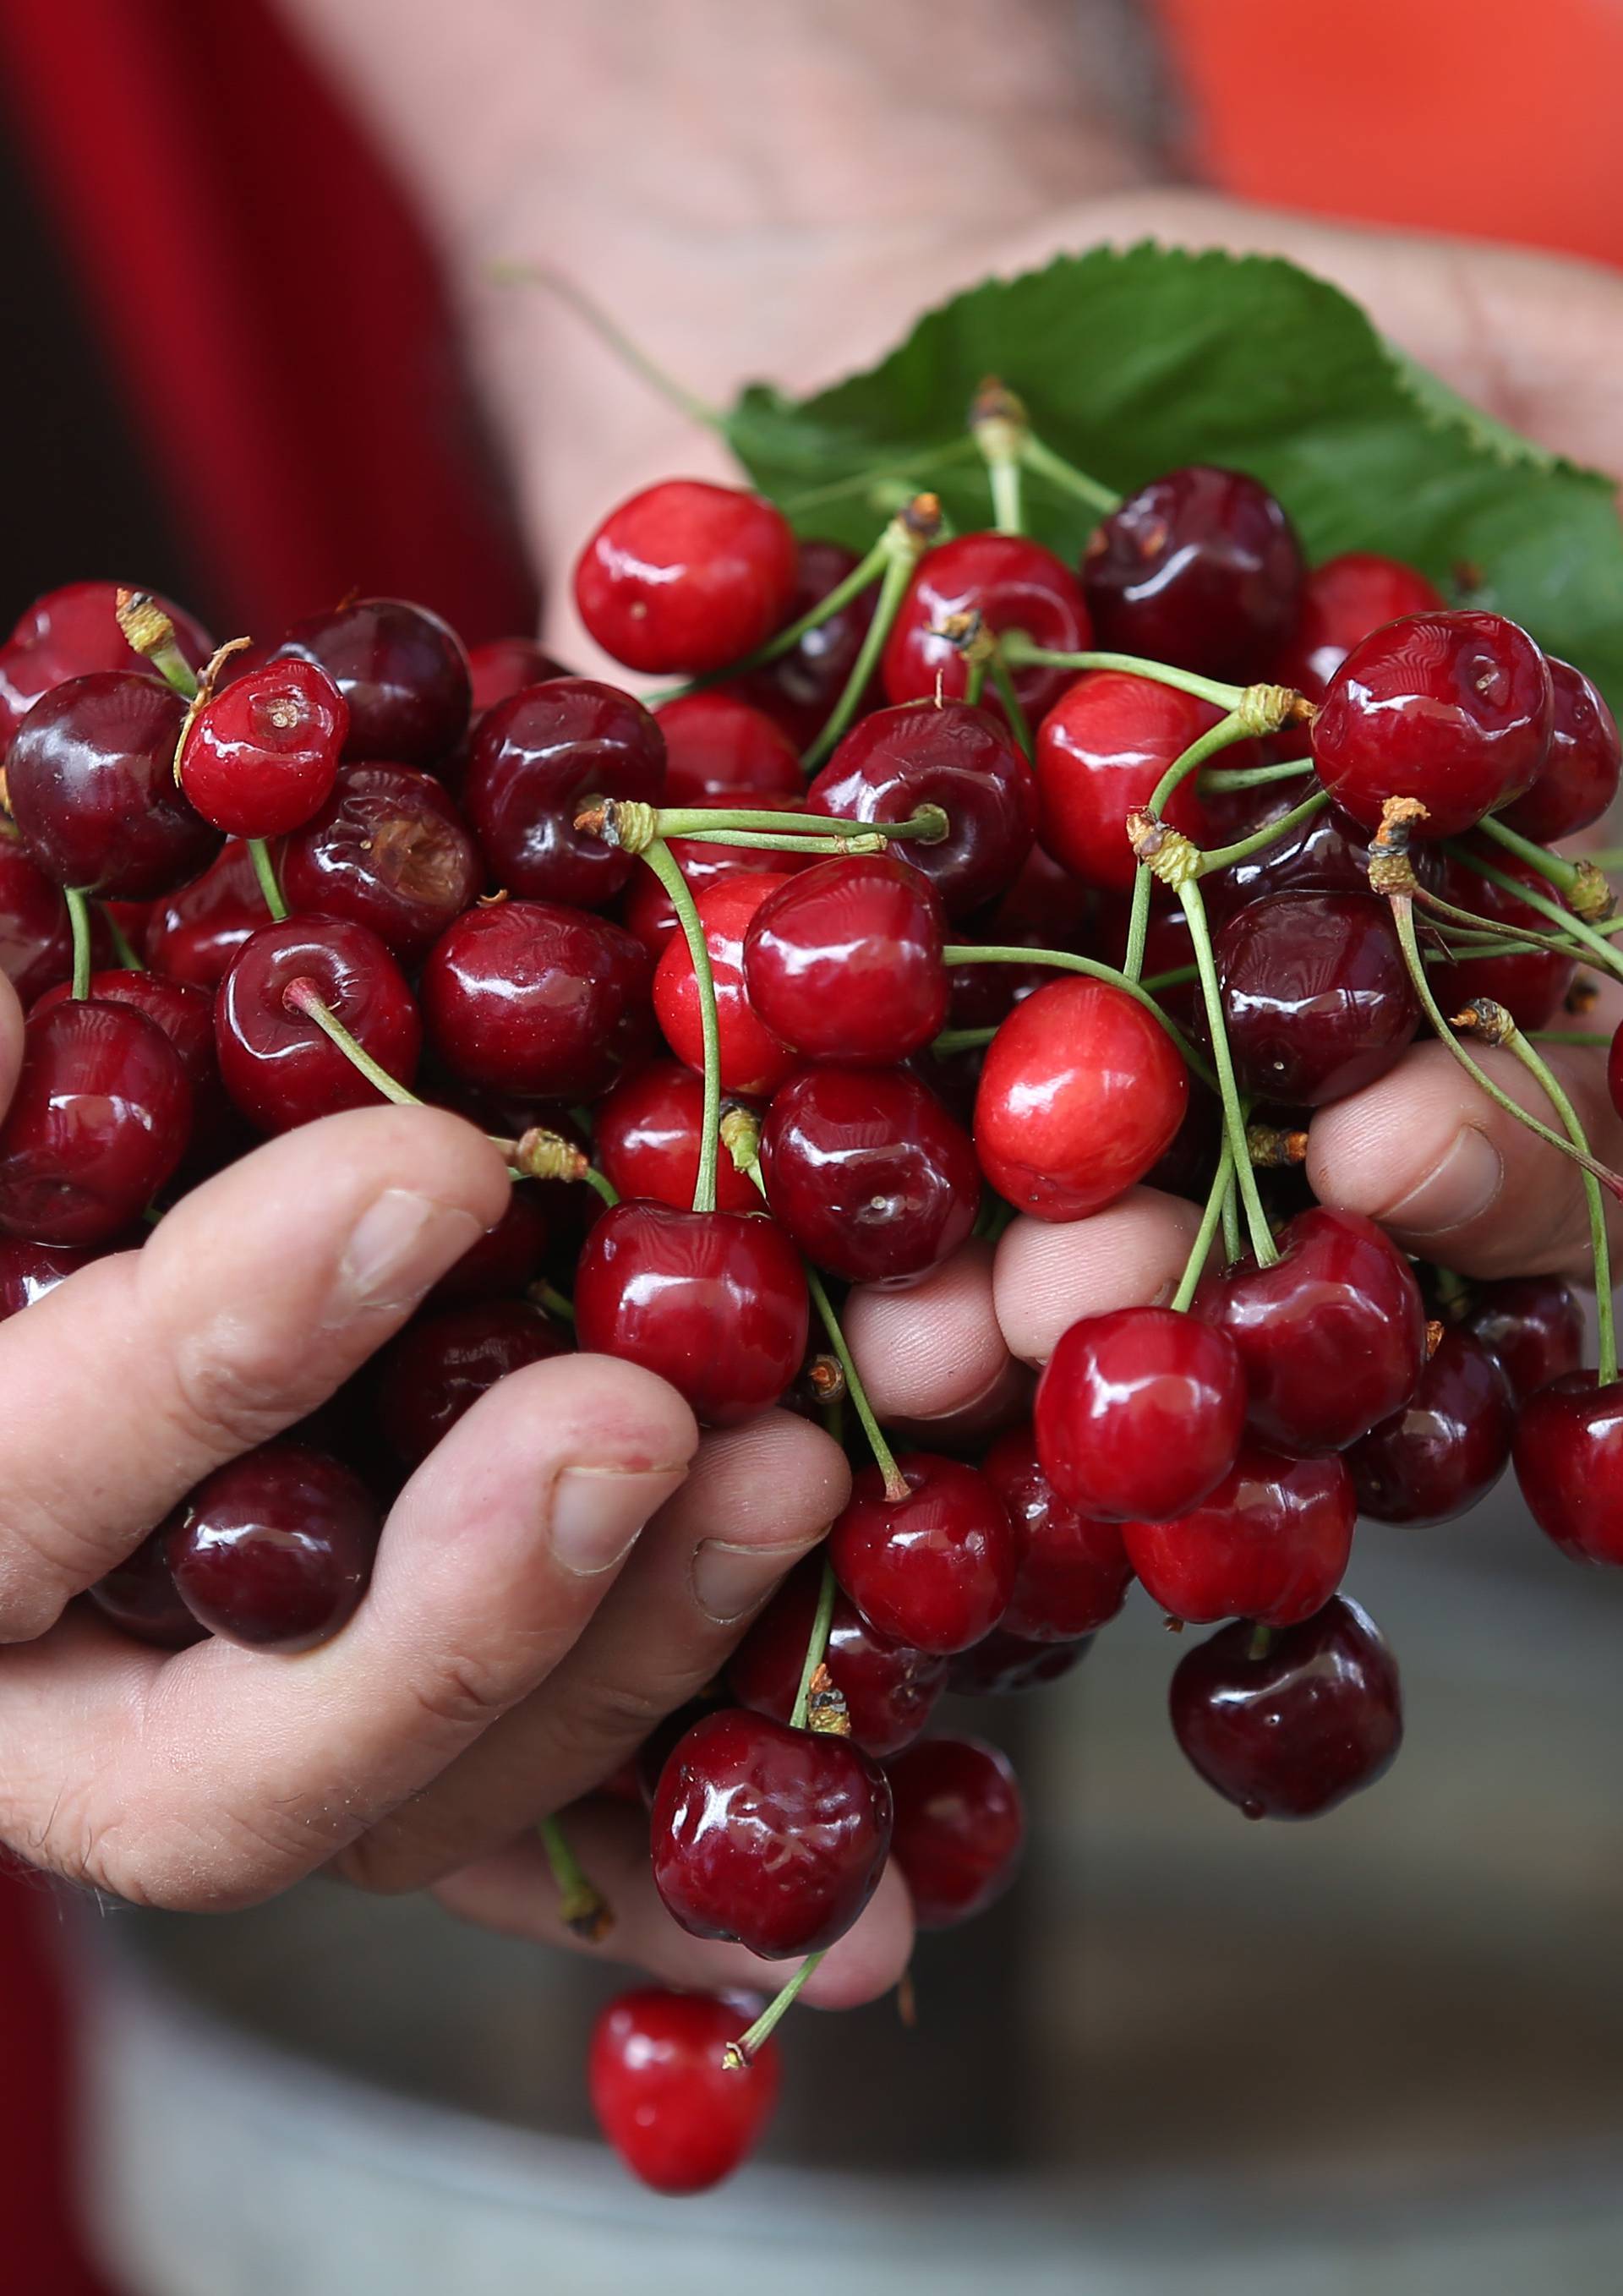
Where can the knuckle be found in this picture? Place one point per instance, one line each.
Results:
(223, 1395)
(464, 1691)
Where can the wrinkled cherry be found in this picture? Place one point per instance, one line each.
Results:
(1533, 1325)
(439, 1368)
(1578, 778)
(645, 1135)
(1531, 983)
(401, 670)
(679, 2117)
(530, 998)
(278, 1066)
(960, 1827)
(140, 1595)
(1569, 1457)
(100, 1119)
(716, 746)
(1012, 584)
(933, 1568)
(90, 781)
(195, 933)
(1100, 752)
(686, 576)
(388, 851)
(1139, 1414)
(1316, 998)
(261, 755)
(1447, 1447)
(1074, 1573)
(753, 1057)
(1342, 601)
(798, 689)
(1201, 568)
(275, 1549)
(71, 633)
(889, 1690)
(844, 962)
(1004, 1665)
(1270, 1543)
(536, 762)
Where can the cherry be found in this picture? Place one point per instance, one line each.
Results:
(799, 688)
(896, 761)
(1100, 752)
(29, 1271)
(1082, 1091)
(36, 939)
(717, 745)
(260, 757)
(753, 1059)
(934, 1568)
(1316, 1717)
(679, 2117)
(186, 1017)
(889, 1690)
(530, 998)
(140, 1595)
(1012, 584)
(1533, 1325)
(1004, 1665)
(645, 906)
(869, 1174)
(1569, 1458)
(960, 1827)
(686, 576)
(715, 1302)
(195, 933)
(1074, 1573)
(1453, 709)
(501, 667)
(1140, 1414)
(772, 1838)
(278, 1066)
(72, 632)
(645, 1135)
(1201, 568)
(388, 851)
(1316, 997)
(536, 761)
(275, 1549)
(844, 961)
(1329, 853)
(1578, 778)
(440, 1365)
(1270, 1543)
(99, 1120)
(401, 670)
(1532, 984)
(1342, 601)
(1333, 1335)
(90, 781)
(505, 1258)
(1447, 1447)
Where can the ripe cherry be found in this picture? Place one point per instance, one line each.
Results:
(1081, 1092)
(1531, 983)
(686, 576)
(1329, 853)
(525, 997)
(1004, 1665)
(194, 934)
(1270, 1543)
(1289, 1733)
(1139, 1414)
(889, 1690)
(933, 1568)
(1012, 584)
(1453, 709)
(1534, 1325)
(186, 1017)
(501, 667)
(261, 755)
(644, 907)
(645, 1134)
(439, 1368)
(275, 1549)
(1578, 778)
(1201, 568)
(1074, 1573)
(536, 761)
(29, 1271)
(799, 688)
(715, 1302)
(72, 632)
(140, 1595)
(1316, 997)
(1447, 1447)
(716, 746)
(753, 1059)
(388, 851)
(36, 939)
(1342, 601)
(278, 1066)
(1569, 1457)
(679, 2117)
(1100, 752)
(90, 781)
(401, 670)
(100, 1119)
(505, 1258)
(771, 1837)
(960, 1827)
(844, 961)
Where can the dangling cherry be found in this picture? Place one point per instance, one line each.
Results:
(645, 1137)
(1448, 1446)
(100, 1119)
(140, 1595)
(799, 688)
(1004, 1665)
(1578, 778)
(753, 1059)
(1316, 998)
(1139, 1414)
(388, 851)
(73, 632)
(1534, 1327)
(960, 1827)
(1569, 1458)
(1342, 601)
(401, 670)
(278, 1066)
(717, 746)
(933, 1568)
(260, 757)
(679, 2117)
(844, 961)
(1201, 568)
(90, 781)
(275, 1549)
(1531, 983)
(439, 1368)
(1270, 1543)
(538, 760)
(686, 576)
(1100, 752)
(890, 1689)
(1074, 1573)
(1012, 584)
(529, 998)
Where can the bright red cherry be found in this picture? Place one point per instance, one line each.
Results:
(140, 1595)
(686, 576)
(29, 1271)
(278, 1066)
(1100, 752)
(645, 1135)
(100, 1119)
(1270, 1543)
(1578, 778)
(771, 1837)
(644, 907)
(895, 762)
(1533, 1325)
(91, 786)
(71, 633)
(1139, 1414)
(869, 1174)
(274, 1550)
(960, 1827)
(1333, 1335)
(1004, 1665)
(536, 761)
(1012, 584)
(844, 961)
(196, 932)
(1453, 709)
(529, 998)
(1316, 997)
(1532, 983)
(439, 1368)
(934, 1568)
(1448, 1446)
(401, 670)
(261, 755)
(680, 2119)
(501, 667)
(1342, 601)
(889, 1690)
(388, 851)
(1568, 1460)
(1201, 568)
(1290, 1733)
(753, 1059)
(717, 745)
(36, 939)
(1081, 1092)
(799, 689)
(1074, 1572)
(715, 1302)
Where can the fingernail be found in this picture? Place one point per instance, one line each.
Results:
(400, 1245)
(729, 1580)
(1458, 1189)
(597, 1511)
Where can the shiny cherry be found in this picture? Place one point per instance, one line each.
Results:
(680, 2119)
(140, 1595)
(1201, 568)
(644, 907)
(799, 688)
(1012, 584)
(1004, 1665)
(1316, 998)
(29, 1271)
(1270, 1543)
(1074, 1573)
(1447, 1447)
(1531, 983)
(186, 1017)
(1139, 1414)
(686, 576)
(194, 934)
(844, 962)
(36, 937)
(753, 1057)
(388, 851)
(717, 745)
(1569, 1458)
(1100, 752)
(1578, 778)
(261, 755)
(440, 1365)
(401, 670)
(100, 1119)
(1328, 854)
(71, 633)
(933, 1568)
(1533, 1325)
(90, 781)
(530, 998)
(645, 1134)
(278, 1066)
(960, 1827)
(275, 1549)
(1342, 601)
(536, 762)
(889, 1690)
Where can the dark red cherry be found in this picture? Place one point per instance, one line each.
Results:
(771, 1837)
(195, 933)
(1004, 1665)
(960, 1827)
(186, 1017)
(529, 998)
(686, 576)
(753, 1059)
(1012, 584)
(889, 1690)
(261, 755)
(29, 1271)
(441, 1364)
(1578, 778)
(401, 670)
(1342, 601)
(1316, 997)
(274, 1550)
(644, 907)
(100, 1119)
(1452, 709)
(1532, 983)
(1534, 1325)
(896, 761)
(1270, 1543)
(717, 745)
(278, 1066)
(1329, 853)
(506, 1257)
(1333, 1335)
(1100, 752)
(680, 2119)
(536, 761)
(799, 688)
(1569, 1457)
(71, 633)
(1074, 1572)
(91, 786)
(1316, 1717)
(1448, 1446)
(715, 1302)
(645, 1138)
(869, 1174)
(1201, 568)
(140, 1595)
(504, 665)
(1081, 1092)
(388, 851)
(36, 939)
(1139, 1414)
(933, 1568)
(844, 961)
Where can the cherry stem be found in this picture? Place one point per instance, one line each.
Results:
(1233, 1243)
(1045, 463)
(961, 1041)
(122, 949)
(1261, 1642)
(817, 1647)
(1229, 728)
(1223, 856)
(884, 1458)
(1011, 702)
(1561, 874)
(1062, 960)
(1179, 977)
(1588, 1040)
(883, 483)
(78, 920)
(1019, 651)
(148, 631)
(1245, 777)
(667, 869)
(1211, 1220)
(862, 576)
(738, 2055)
(582, 1906)
(903, 543)
(796, 832)
(303, 997)
(1599, 1246)
(1228, 1089)
(1602, 952)
(974, 683)
(1465, 930)
(265, 870)
(998, 426)
(611, 335)
(548, 1296)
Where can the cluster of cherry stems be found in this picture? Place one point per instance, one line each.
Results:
(1051, 917)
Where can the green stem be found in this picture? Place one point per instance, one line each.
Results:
(304, 997)
(974, 683)
(582, 1906)
(601, 1184)
(1245, 777)
(738, 2054)
(816, 1646)
(1016, 716)
(884, 1458)
(1602, 950)
(122, 949)
(961, 1041)
(1180, 976)
(1228, 1089)
(1233, 1241)
(1138, 923)
(667, 869)
(1211, 1220)
(721, 826)
(612, 335)
(1228, 729)
(909, 475)
(1223, 856)
(1003, 476)
(899, 573)
(1599, 1247)
(1563, 874)
(1019, 649)
(1045, 463)
(1589, 1040)
(548, 1296)
(1063, 961)
(862, 576)
(78, 921)
(265, 870)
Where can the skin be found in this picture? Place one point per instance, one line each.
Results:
(756, 194)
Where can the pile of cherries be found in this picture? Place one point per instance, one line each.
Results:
(830, 961)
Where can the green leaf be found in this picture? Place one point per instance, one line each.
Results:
(1130, 363)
